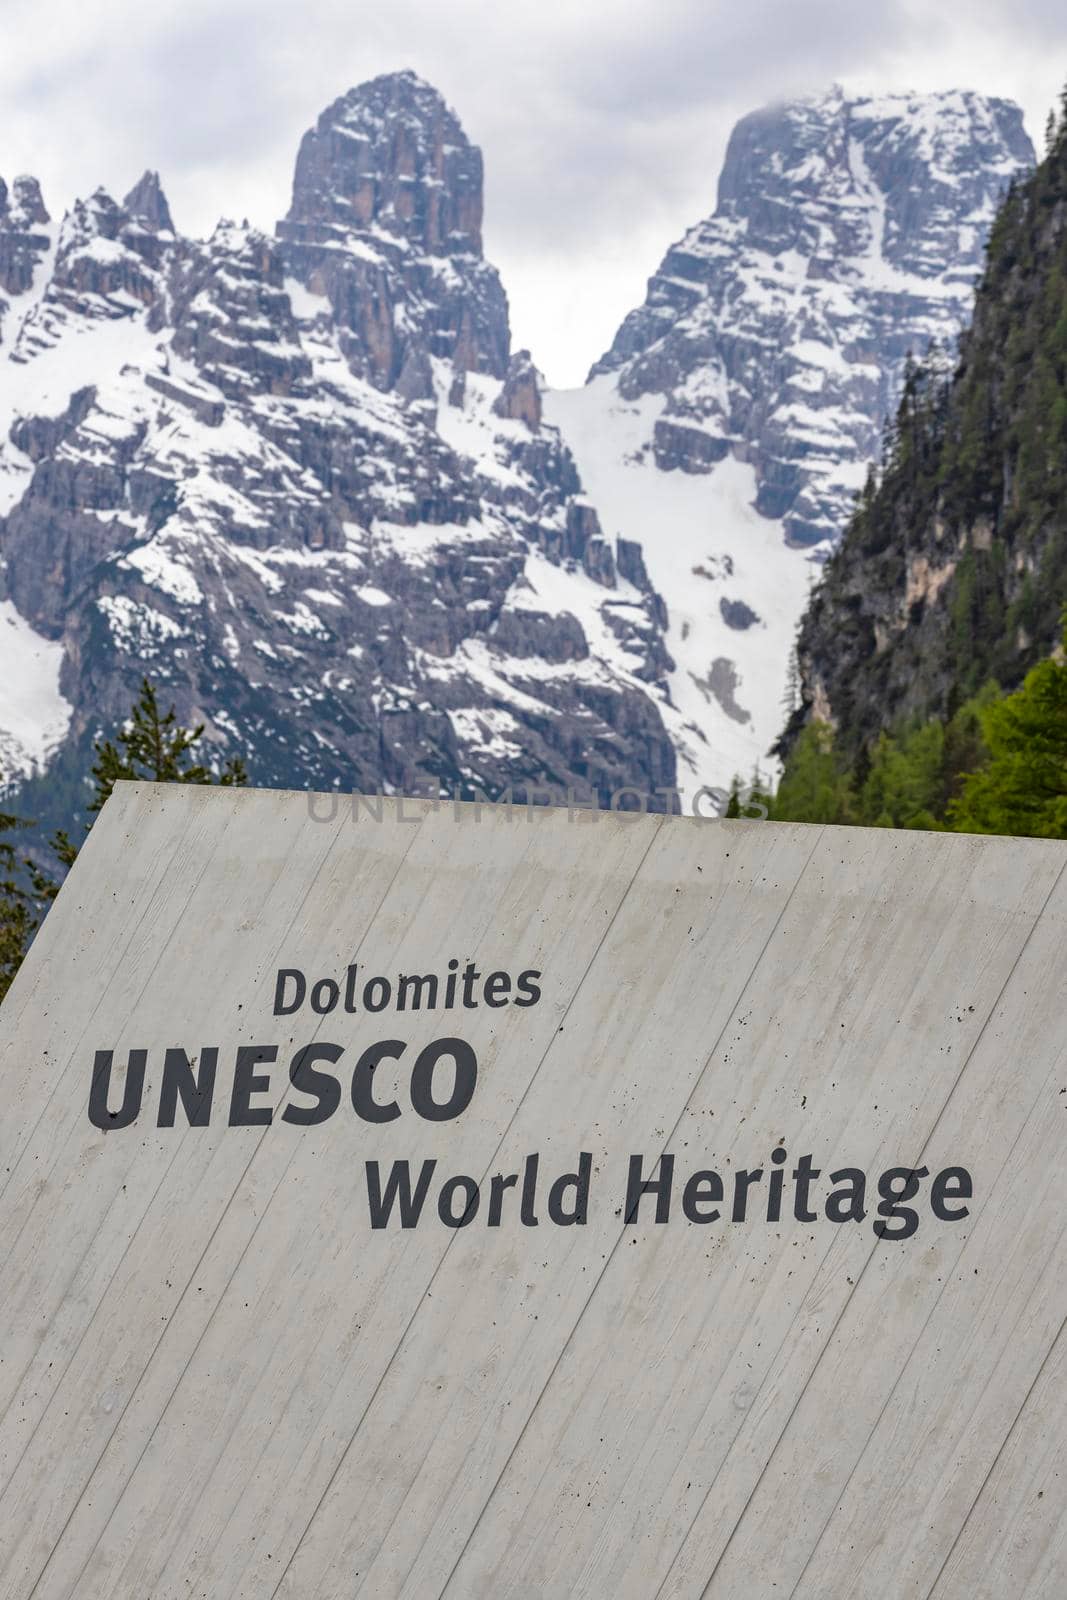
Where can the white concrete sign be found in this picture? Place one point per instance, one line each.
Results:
(404, 1202)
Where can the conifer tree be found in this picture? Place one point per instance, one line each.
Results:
(17, 922)
(814, 788)
(1022, 789)
(791, 693)
(152, 746)
(155, 748)
(903, 785)
(759, 796)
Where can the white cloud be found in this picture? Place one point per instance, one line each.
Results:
(603, 124)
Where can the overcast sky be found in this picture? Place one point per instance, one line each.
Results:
(602, 122)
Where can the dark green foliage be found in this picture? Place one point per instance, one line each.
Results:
(17, 917)
(26, 892)
(152, 746)
(815, 786)
(1022, 788)
(953, 569)
(751, 800)
(999, 765)
(904, 780)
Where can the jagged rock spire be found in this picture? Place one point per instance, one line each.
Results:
(386, 222)
(147, 202)
(22, 243)
(23, 206)
(392, 153)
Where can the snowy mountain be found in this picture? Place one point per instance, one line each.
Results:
(731, 422)
(302, 482)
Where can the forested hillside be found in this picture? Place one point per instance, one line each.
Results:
(950, 583)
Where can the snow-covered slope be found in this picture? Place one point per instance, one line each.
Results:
(732, 420)
(301, 481)
(35, 715)
(713, 557)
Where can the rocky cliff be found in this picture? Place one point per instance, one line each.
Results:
(24, 239)
(300, 480)
(953, 570)
(730, 425)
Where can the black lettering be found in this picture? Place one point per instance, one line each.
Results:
(774, 1186)
(324, 996)
(963, 1189)
(890, 1206)
(322, 1086)
(579, 1182)
(450, 984)
(804, 1175)
(636, 1186)
(281, 1007)
(703, 1188)
(351, 973)
(497, 989)
(743, 1181)
(470, 978)
(466, 1076)
(527, 985)
(397, 1188)
(470, 1205)
(498, 1183)
(418, 986)
(527, 1214)
(132, 1090)
(846, 1204)
(376, 1001)
(247, 1082)
(195, 1089)
(363, 1100)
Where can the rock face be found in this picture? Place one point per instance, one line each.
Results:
(847, 233)
(730, 425)
(24, 240)
(953, 569)
(299, 480)
(386, 222)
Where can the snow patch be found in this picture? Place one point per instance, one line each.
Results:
(34, 716)
(694, 531)
(371, 595)
(162, 571)
(135, 627)
(306, 304)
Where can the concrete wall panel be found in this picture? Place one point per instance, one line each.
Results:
(218, 1379)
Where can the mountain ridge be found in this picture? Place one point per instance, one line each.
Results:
(730, 424)
(298, 478)
(953, 571)
(301, 477)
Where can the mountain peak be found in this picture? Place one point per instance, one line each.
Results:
(22, 243)
(296, 478)
(23, 207)
(771, 343)
(950, 575)
(148, 204)
(391, 156)
(401, 93)
(889, 194)
(799, 174)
